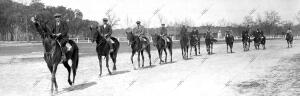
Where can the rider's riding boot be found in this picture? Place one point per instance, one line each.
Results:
(111, 47)
(63, 57)
(166, 43)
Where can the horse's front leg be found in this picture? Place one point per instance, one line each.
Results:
(166, 55)
(131, 58)
(191, 50)
(100, 64)
(159, 55)
(142, 53)
(139, 54)
(211, 48)
(182, 49)
(227, 47)
(53, 78)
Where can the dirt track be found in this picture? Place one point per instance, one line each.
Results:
(221, 74)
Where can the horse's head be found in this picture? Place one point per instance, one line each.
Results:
(130, 37)
(99, 39)
(41, 26)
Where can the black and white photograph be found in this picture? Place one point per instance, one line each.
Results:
(149, 47)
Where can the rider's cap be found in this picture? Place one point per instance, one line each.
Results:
(105, 19)
(57, 15)
(163, 24)
(138, 22)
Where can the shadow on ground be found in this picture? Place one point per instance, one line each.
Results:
(79, 87)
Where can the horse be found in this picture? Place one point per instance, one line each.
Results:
(246, 41)
(102, 49)
(53, 52)
(138, 45)
(259, 39)
(289, 38)
(229, 41)
(209, 40)
(184, 42)
(194, 42)
(161, 45)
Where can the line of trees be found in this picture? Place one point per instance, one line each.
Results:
(15, 22)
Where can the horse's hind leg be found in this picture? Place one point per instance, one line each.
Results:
(198, 47)
(113, 57)
(231, 47)
(74, 67)
(170, 51)
(211, 48)
(107, 66)
(65, 63)
(142, 52)
(149, 54)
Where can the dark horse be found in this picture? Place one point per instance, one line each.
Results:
(161, 45)
(184, 42)
(246, 41)
(209, 40)
(195, 42)
(259, 39)
(139, 46)
(103, 48)
(53, 52)
(229, 41)
(289, 38)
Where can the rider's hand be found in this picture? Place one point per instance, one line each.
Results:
(32, 19)
(58, 34)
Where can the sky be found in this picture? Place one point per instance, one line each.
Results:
(218, 11)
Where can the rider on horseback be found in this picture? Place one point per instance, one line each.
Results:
(106, 31)
(164, 33)
(61, 30)
(288, 32)
(208, 33)
(140, 31)
(228, 32)
(195, 31)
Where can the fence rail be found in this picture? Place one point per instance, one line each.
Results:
(124, 39)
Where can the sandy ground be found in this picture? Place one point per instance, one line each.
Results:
(254, 73)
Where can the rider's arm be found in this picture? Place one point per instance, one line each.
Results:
(65, 30)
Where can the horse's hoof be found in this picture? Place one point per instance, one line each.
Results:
(70, 82)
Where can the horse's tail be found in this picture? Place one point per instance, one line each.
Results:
(75, 54)
(73, 44)
(116, 42)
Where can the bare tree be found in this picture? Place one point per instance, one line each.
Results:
(161, 18)
(112, 18)
(298, 16)
(271, 20)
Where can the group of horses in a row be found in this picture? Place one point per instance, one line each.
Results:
(53, 51)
